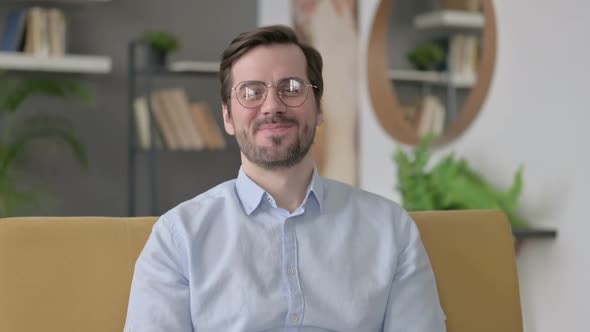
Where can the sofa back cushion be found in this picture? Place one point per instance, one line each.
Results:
(68, 274)
(73, 274)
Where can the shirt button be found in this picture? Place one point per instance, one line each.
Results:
(294, 317)
(291, 271)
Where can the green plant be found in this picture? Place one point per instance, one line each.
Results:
(161, 41)
(427, 56)
(451, 185)
(19, 132)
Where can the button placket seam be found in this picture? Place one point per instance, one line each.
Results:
(295, 296)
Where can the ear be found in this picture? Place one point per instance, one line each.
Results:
(227, 120)
(320, 118)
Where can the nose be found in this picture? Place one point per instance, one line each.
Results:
(272, 104)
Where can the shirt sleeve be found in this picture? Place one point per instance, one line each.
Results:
(413, 304)
(159, 298)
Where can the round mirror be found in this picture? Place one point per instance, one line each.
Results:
(430, 65)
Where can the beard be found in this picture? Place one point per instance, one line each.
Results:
(277, 155)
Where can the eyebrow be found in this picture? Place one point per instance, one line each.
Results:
(277, 82)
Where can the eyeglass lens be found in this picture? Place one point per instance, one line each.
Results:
(292, 92)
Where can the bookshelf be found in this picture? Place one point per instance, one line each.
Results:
(432, 114)
(33, 38)
(142, 78)
(461, 93)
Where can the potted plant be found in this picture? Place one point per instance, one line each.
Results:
(160, 45)
(428, 56)
(451, 184)
(18, 133)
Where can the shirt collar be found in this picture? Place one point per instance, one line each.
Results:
(251, 194)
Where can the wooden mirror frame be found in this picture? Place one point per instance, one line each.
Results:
(384, 100)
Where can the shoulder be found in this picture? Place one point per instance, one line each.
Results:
(206, 206)
(368, 212)
(338, 193)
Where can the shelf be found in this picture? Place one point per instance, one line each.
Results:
(74, 2)
(83, 64)
(450, 19)
(183, 68)
(433, 77)
(521, 234)
(194, 66)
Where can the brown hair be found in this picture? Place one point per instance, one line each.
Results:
(273, 34)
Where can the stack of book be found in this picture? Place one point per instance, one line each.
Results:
(35, 31)
(180, 123)
(426, 116)
(463, 57)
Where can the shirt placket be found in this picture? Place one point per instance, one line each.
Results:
(290, 270)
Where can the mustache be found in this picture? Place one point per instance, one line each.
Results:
(274, 119)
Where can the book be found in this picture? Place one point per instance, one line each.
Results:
(142, 125)
(13, 34)
(177, 105)
(206, 124)
(431, 116)
(465, 57)
(164, 120)
(37, 39)
(56, 31)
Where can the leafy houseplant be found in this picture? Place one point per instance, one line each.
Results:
(451, 185)
(428, 56)
(161, 43)
(17, 133)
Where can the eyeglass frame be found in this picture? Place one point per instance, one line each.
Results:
(267, 86)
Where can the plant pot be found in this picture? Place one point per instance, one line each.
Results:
(156, 58)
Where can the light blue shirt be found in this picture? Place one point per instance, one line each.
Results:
(231, 260)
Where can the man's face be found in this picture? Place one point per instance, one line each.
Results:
(272, 135)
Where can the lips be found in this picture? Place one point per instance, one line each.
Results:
(275, 128)
(275, 125)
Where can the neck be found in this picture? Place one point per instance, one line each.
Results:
(287, 185)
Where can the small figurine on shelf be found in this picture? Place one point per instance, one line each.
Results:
(161, 43)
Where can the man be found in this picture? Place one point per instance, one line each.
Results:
(280, 248)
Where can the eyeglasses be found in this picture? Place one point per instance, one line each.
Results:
(291, 92)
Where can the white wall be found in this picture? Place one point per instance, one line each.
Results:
(274, 12)
(537, 114)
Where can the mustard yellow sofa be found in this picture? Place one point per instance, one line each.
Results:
(72, 274)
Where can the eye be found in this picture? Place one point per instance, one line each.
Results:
(290, 88)
(251, 91)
